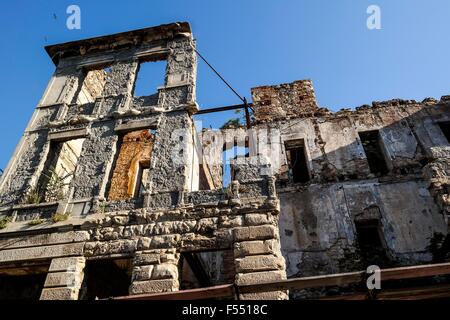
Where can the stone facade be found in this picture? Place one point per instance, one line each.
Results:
(101, 216)
(146, 192)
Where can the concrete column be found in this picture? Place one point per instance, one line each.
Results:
(258, 259)
(155, 271)
(64, 279)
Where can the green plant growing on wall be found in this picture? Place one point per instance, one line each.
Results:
(36, 222)
(55, 188)
(4, 222)
(58, 217)
(235, 123)
(103, 206)
(232, 124)
(34, 196)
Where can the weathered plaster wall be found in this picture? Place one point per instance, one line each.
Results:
(318, 233)
(317, 229)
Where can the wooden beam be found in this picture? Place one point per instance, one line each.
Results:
(305, 283)
(348, 278)
(222, 291)
(415, 271)
(349, 297)
(418, 293)
(226, 291)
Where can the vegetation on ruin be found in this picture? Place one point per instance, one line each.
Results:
(36, 222)
(53, 191)
(58, 217)
(4, 222)
(33, 196)
(55, 188)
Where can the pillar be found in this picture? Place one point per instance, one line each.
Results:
(155, 271)
(64, 279)
(258, 258)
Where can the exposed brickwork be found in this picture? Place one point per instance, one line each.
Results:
(284, 101)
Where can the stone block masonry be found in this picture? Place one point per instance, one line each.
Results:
(155, 271)
(64, 279)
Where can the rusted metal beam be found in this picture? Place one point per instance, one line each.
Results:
(221, 109)
(247, 114)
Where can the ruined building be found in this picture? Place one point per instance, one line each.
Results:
(110, 194)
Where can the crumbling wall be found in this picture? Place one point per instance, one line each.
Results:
(120, 80)
(284, 101)
(317, 222)
(115, 107)
(342, 150)
(334, 150)
(27, 159)
(317, 225)
(93, 165)
(437, 174)
(171, 159)
(100, 108)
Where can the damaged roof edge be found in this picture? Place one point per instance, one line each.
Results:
(114, 41)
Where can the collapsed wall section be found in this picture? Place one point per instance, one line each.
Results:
(284, 101)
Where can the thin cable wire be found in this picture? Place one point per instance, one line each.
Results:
(218, 74)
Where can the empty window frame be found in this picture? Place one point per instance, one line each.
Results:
(59, 170)
(445, 127)
(206, 268)
(297, 162)
(206, 181)
(23, 284)
(371, 142)
(93, 84)
(132, 165)
(106, 278)
(142, 177)
(150, 76)
(371, 243)
(228, 157)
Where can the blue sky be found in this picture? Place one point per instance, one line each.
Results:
(251, 42)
